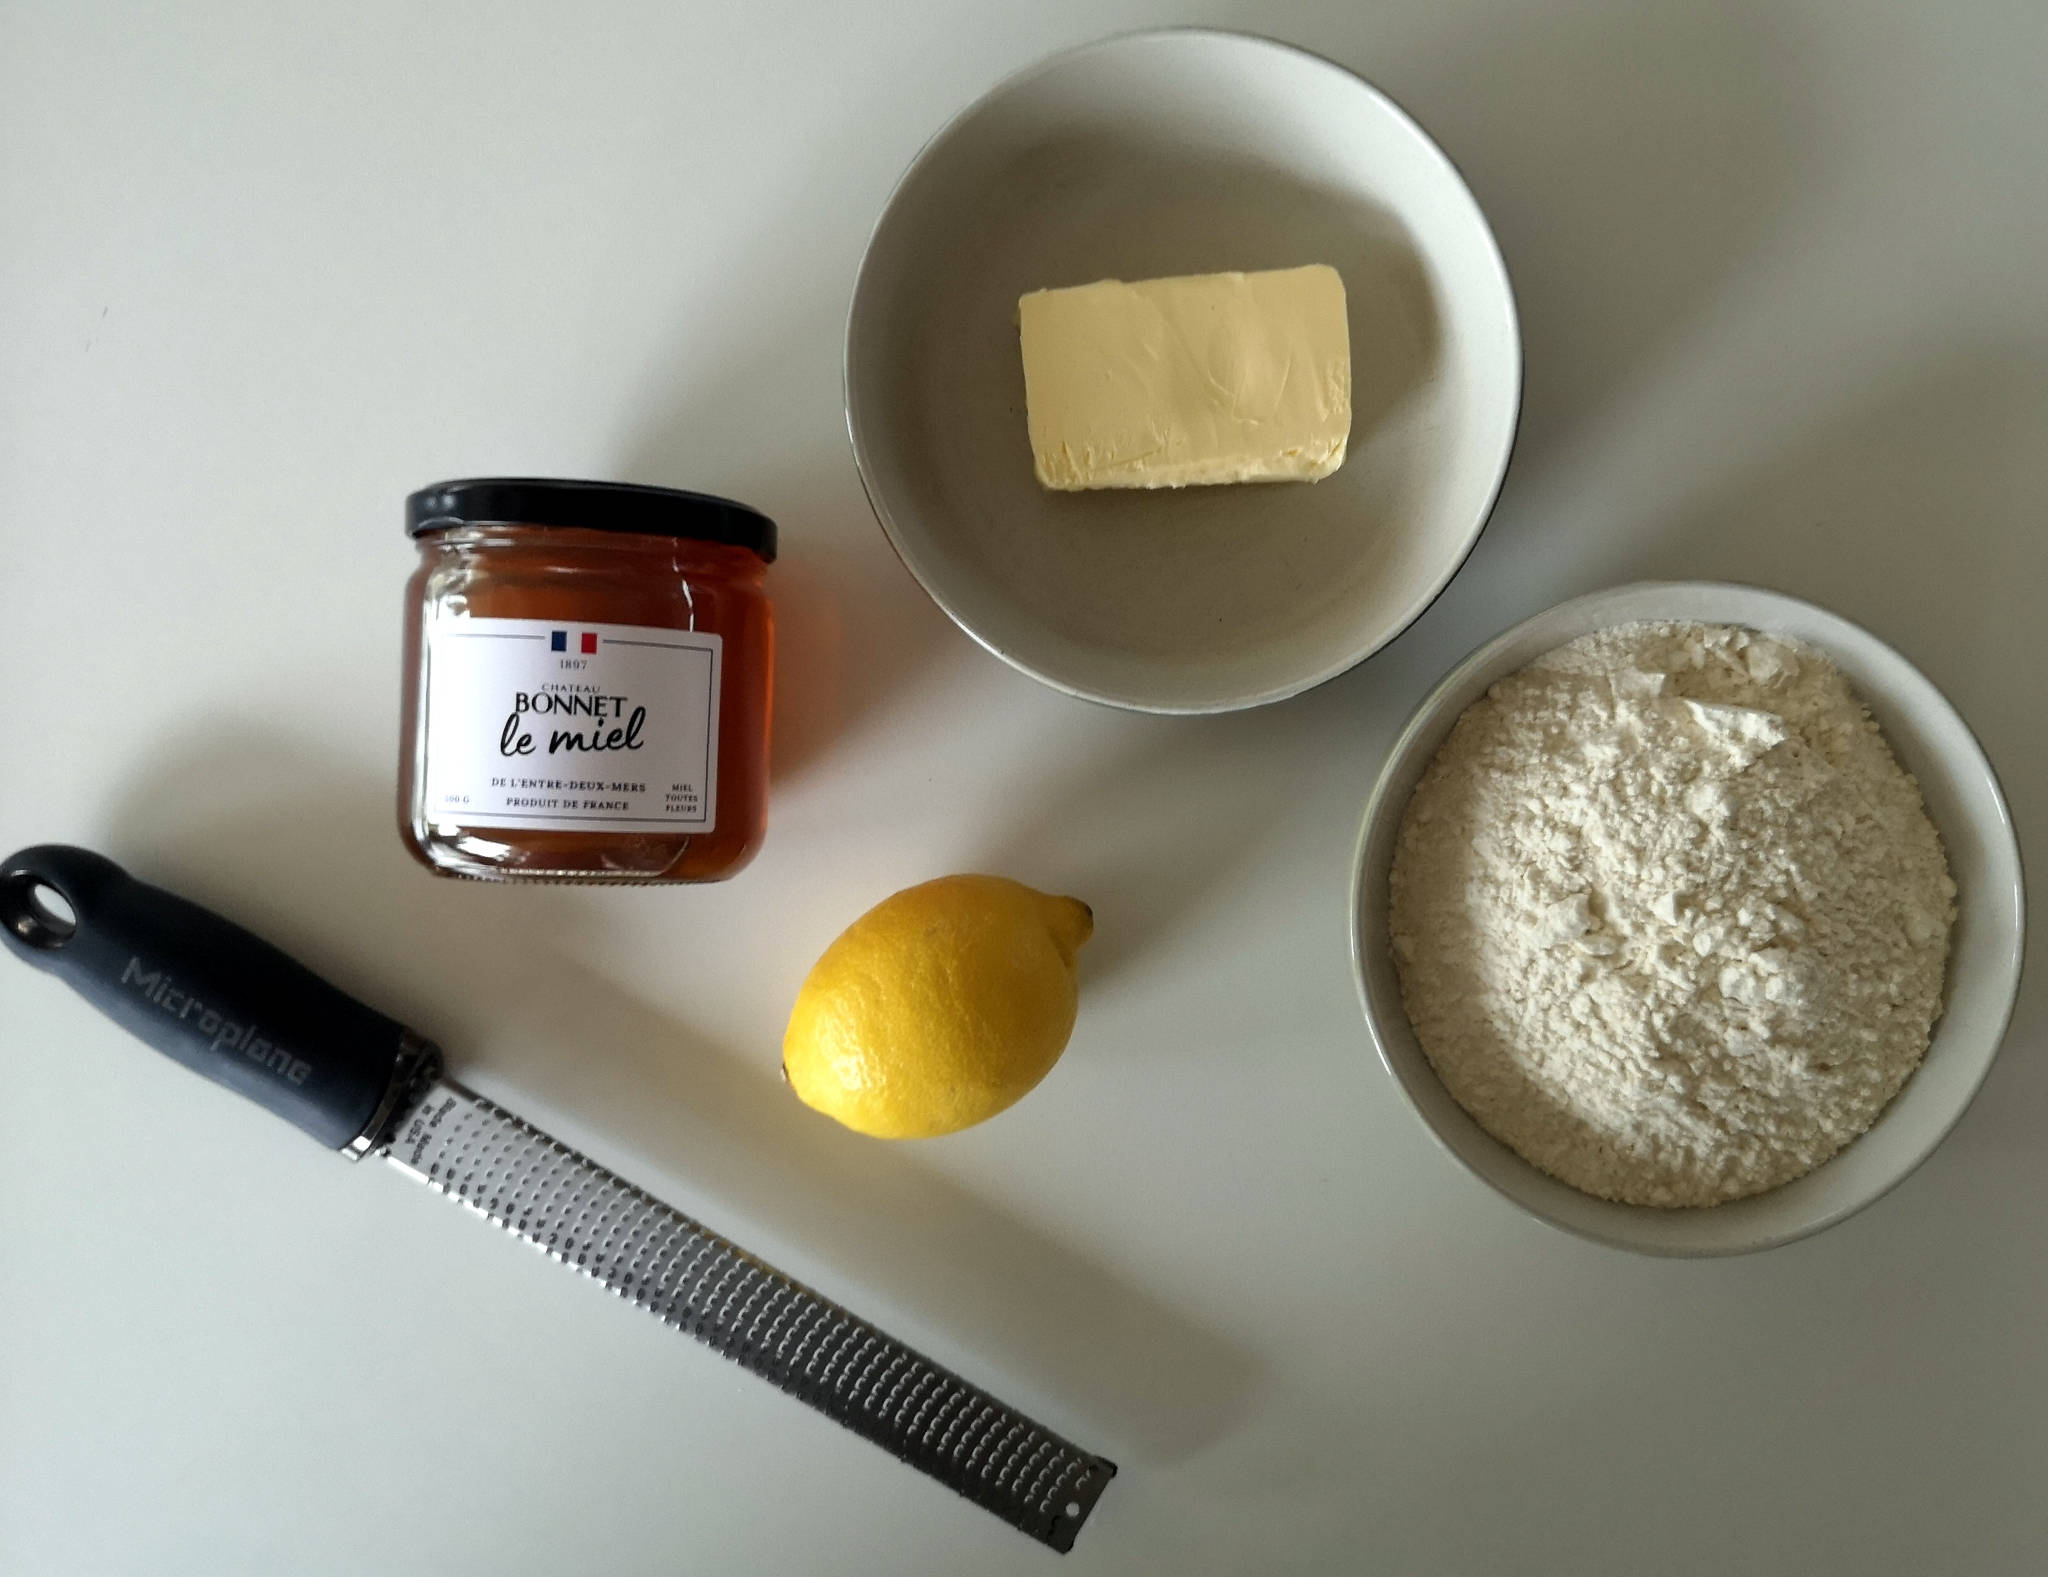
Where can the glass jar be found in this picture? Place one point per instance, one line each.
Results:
(587, 682)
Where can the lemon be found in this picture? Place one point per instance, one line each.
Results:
(938, 1007)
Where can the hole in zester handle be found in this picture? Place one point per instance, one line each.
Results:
(35, 911)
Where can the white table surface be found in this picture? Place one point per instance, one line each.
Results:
(265, 268)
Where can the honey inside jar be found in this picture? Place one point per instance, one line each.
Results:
(588, 682)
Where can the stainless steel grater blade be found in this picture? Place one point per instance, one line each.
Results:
(233, 1008)
(687, 1276)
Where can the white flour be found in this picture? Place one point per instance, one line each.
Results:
(1669, 919)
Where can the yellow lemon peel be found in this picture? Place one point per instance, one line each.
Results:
(937, 1008)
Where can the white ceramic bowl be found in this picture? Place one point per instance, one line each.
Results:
(1175, 153)
(1962, 796)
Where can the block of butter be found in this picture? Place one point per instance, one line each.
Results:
(1194, 379)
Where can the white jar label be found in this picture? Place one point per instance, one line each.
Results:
(571, 727)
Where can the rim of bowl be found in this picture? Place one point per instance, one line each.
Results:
(880, 511)
(1429, 711)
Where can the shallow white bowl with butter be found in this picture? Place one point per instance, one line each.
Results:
(1181, 152)
(1968, 809)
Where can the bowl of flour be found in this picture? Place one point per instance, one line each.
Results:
(1688, 916)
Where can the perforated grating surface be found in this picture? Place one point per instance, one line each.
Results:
(574, 1210)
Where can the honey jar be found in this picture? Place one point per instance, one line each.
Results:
(588, 680)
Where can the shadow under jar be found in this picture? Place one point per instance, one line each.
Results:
(588, 674)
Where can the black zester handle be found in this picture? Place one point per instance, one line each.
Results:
(688, 1276)
(207, 993)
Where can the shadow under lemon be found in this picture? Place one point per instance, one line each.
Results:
(301, 849)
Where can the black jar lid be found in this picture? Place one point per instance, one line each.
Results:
(589, 506)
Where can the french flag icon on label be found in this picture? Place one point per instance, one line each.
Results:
(559, 641)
